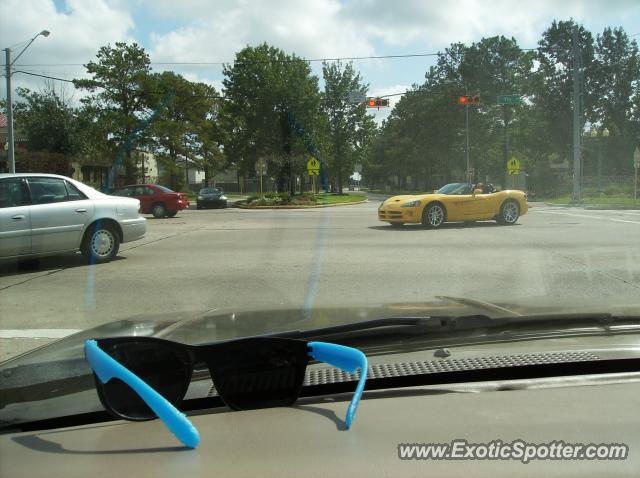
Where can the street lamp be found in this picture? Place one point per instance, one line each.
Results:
(599, 136)
(8, 65)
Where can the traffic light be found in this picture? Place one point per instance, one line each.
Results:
(469, 100)
(377, 102)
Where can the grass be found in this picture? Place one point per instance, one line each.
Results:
(339, 198)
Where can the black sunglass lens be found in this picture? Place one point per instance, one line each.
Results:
(258, 373)
(164, 369)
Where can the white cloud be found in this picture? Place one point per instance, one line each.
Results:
(309, 29)
(436, 24)
(76, 35)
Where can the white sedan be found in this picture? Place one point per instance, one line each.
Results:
(47, 214)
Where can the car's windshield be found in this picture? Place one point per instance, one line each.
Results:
(329, 162)
(455, 188)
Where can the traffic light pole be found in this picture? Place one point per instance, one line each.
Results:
(467, 149)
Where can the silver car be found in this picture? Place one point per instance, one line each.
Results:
(47, 214)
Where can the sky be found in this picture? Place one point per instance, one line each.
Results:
(213, 31)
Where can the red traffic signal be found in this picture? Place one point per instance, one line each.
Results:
(377, 102)
(469, 100)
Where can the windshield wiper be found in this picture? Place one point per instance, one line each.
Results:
(437, 325)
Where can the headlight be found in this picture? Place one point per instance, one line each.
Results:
(224, 198)
(200, 198)
(412, 203)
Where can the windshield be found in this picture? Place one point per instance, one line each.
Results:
(306, 141)
(455, 188)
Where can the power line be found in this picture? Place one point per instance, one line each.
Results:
(289, 60)
(43, 76)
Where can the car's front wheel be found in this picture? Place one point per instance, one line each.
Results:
(100, 243)
(158, 210)
(433, 216)
(509, 213)
(172, 213)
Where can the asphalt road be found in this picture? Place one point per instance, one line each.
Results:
(202, 260)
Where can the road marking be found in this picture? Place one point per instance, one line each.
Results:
(599, 218)
(36, 333)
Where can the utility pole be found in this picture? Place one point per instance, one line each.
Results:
(11, 156)
(577, 117)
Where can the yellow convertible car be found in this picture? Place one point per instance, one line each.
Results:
(454, 203)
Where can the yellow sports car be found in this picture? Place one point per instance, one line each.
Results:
(454, 203)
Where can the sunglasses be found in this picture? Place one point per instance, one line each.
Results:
(141, 378)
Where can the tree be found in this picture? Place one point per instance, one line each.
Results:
(264, 89)
(553, 85)
(118, 97)
(348, 125)
(48, 121)
(182, 109)
(616, 79)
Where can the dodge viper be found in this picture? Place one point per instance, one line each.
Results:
(455, 202)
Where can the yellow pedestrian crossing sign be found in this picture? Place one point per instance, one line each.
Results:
(513, 166)
(313, 167)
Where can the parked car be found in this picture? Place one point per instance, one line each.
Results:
(155, 199)
(47, 214)
(211, 197)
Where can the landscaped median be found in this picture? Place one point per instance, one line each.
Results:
(299, 201)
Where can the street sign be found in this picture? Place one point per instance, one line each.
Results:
(357, 97)
(509, 99)
(513, 166)
(313, 167)
(261, 167)
(636, 158)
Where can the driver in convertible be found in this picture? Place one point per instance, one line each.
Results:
(481, 188)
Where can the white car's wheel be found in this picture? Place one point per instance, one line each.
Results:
(100, 244)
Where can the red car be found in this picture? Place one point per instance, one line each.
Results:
(155, 199)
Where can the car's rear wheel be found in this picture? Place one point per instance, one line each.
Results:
(172, 213)
(509, 213)
(158, 210)
(433, 216)
(100, 243)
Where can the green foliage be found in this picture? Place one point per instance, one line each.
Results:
(48, 121)
(348, 127)
(117, 95)
(262, 86)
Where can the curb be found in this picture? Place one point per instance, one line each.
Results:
(316, 206)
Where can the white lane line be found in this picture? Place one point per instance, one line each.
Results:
(36, 333)
(622, 220)
(598, 218)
